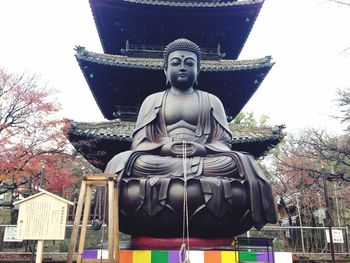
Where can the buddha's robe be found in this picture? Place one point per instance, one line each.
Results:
(144, 160)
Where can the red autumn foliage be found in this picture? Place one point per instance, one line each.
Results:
(31, 134)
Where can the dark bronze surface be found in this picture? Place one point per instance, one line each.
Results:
(155, 23)
(183, 126)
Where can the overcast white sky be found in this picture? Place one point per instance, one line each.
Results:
(305, 38)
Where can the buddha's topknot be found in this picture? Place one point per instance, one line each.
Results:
(182, 44)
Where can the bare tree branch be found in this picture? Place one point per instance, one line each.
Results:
(347, 3)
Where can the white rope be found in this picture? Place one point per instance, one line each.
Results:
(184, 250)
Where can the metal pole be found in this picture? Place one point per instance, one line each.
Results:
(301, 226)
(40, 186)
(336, 197)
(346, 239)
(330, 221)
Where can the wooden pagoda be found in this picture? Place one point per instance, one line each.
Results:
(133, 34)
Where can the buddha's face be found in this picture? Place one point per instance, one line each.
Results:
(182, 69)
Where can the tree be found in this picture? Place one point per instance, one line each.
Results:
(314, 148)
(304, 161)
(343, 99)
(30, 133)
(341, 2)
(248, 119)
(299, 166)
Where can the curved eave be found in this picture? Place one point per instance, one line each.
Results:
(117, 130)
(160, 22)
(197, 4)
(157, 64)
(99, 142)
(123, 81)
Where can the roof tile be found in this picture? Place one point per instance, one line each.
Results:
(157, 63)
(116, 130)
(195, 3)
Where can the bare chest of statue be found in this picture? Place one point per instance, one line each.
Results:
(181, 114)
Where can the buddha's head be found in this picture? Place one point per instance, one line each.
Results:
(182, 63)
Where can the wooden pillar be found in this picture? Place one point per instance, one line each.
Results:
(113, 223)
(116, 223)
(39, 251)
(110, 221)
(84, 223)
(76, 223)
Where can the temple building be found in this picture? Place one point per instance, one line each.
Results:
(134, 33)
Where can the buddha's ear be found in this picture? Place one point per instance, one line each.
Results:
(197, 78)
(166, 77)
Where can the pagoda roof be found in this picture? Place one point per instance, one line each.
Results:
(158, 22)
(195, 3)
(99, 142)
(121, 81)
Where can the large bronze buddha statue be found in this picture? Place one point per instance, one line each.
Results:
(182, 134)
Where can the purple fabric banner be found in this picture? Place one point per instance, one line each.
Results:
(264, 256)
(173, 256)
(90, 254)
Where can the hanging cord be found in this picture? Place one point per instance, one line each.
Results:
(95, 206)
(100, 205)
(184, 250)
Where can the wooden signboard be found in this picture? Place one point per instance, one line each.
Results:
(10, 234)
(42, 217)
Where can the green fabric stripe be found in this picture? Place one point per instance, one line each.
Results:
(247, 256)
(159, 256)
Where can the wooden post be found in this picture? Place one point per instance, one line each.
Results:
(39, 251)
(116, 223)
(113, 223)
(110, 221)
(84, 223)
(76, 223)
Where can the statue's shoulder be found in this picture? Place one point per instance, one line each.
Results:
(210, 95)
(154, 96)
(217, 108)
(154, 99)
(149, 109)
(214, 100)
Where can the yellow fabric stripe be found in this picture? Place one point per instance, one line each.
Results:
(229, 256)
(142, 256)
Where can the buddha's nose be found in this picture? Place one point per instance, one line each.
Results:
(182, 66)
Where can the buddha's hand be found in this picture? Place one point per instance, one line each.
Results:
(179, 149)
(167, 150)
(196, 149)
